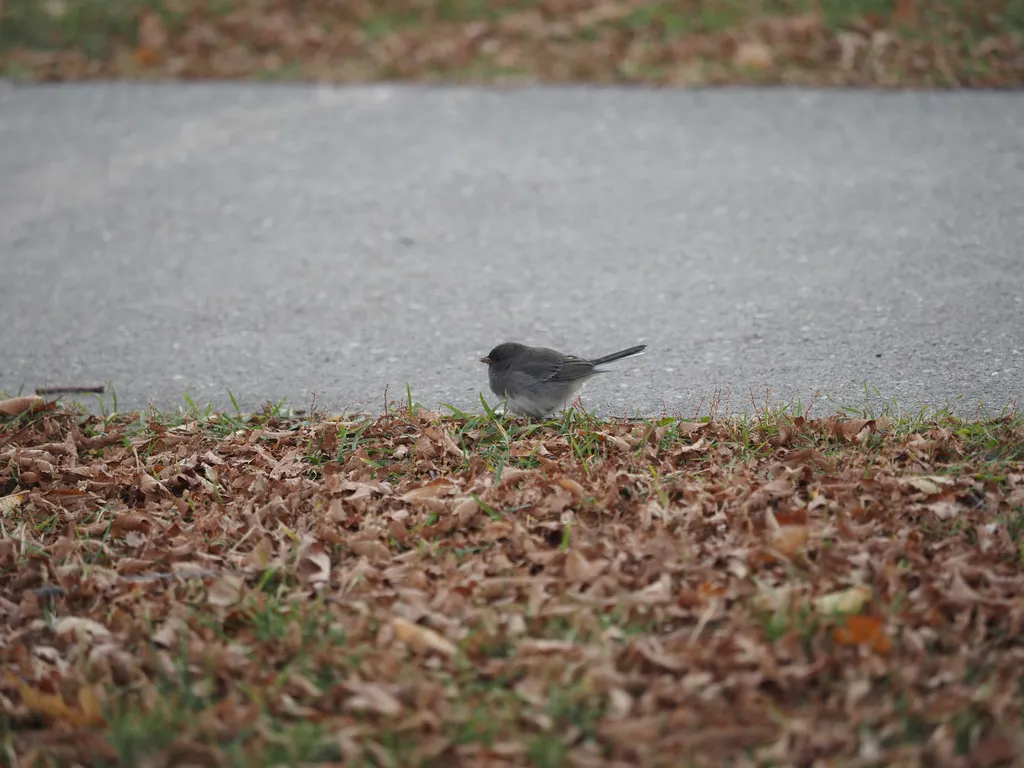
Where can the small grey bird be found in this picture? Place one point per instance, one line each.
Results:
(536, 381)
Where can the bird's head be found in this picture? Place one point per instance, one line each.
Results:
(502, 355)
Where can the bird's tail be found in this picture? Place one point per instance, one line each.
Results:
(638, 349)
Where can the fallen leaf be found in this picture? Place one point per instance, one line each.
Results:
(226, 590)
(925, 485)
(8, 503)
(753, 54)
(421, 639)
(18, 405)
(571, 486)
(431, 490)
(844, 601)
(789, 540)
(906, 12)
(53, 709)
(371, 697)
(863, 630)
(774, 599)
(90, 707)
(314, 565)
(580, 570)
(80, 627)
(152, 34)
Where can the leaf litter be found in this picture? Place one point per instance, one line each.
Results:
(890, 44)
(417, 589)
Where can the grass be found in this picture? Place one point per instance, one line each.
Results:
(670, 42)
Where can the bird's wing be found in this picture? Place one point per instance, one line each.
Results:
(550, 365)
(573, 368)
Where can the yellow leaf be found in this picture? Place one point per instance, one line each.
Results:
(89, 704)
(53, 709)
(924, 485)
(844, 601)
(9, 503)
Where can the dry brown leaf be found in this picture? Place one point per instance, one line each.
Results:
(927, 485)
(152, 34)
(150, 486)
(432, 490)
(696, 447)
(225, 590)
(466, 511)
(580, 570)
(854, 430)
(753, 54)
(18, 405)
(789, 540)
(421, 639)
(646, 608)
(81, 627)
(314, 565)
(371, 697)
(123, 524)
(571, 486)
(906, 12)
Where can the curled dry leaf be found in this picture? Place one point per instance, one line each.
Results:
(371, 697)
(18, 405)
(753, 54)
(432, 490)
(421, 639)
(570, 485)
(927, 485)
(123, 524)
(854, 430)
(789, 540)
(466, 510)
(80, 627)
(225, 590)
(580, 570)
(150, 486)
(314, 565)
(696, 447)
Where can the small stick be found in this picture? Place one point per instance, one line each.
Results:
(99, 390)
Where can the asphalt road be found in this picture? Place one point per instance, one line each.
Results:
(274, 240)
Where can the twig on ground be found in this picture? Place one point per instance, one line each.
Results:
(95, 390)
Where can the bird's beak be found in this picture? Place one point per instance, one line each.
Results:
(485, 359)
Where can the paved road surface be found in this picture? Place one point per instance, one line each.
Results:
(273, 240)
